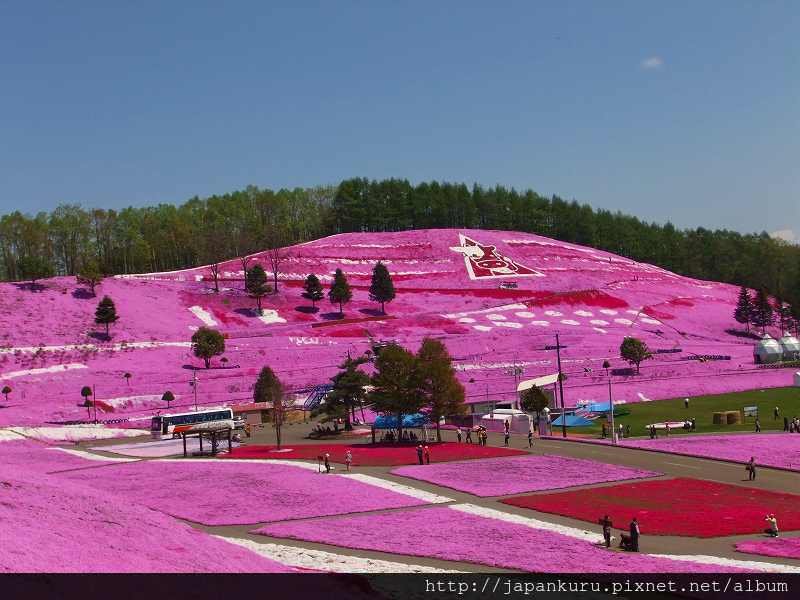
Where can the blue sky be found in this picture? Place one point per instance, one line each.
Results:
(672, 110)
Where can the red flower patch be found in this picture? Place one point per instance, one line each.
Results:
(374, 455)
(683, 506)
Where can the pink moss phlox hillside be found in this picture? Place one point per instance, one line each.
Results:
(452, 535)
(52, 525)
(769, 449)
(780, 547)
(502, 476)
(231, 493)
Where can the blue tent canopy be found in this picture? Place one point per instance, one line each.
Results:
(572, 421)
(409, 421)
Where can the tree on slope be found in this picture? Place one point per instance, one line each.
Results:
(256, 280)
(396, 384)
(534, 400)
(381, 289)
(106, 313)
(762, 315)
(348, 391)
(744, 308)
(313, 290)
(215, 270)
(168, 397)
(33, 267)
(90, 274)
(634, 351)
(340, 292)
(207, 343)
(783, 311)
(442, 393)
(269, 389)
(86, 391)
(6, 391)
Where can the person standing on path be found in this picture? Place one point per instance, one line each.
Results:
(469, 436)
(751, 469)
(634, 532)
(530, 438)
(758, 425)
(620, 429)
(628, 430)
(458, 434)
(427, 455)
(327, 463)
(686, 403)
(348, 459)
(419, 454)
(667, 429)
(786, 424)
(604, 431)
(505, 438)
(606, 523)
(776, 413)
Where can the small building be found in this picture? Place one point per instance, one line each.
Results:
(767, 351)
(790, 346)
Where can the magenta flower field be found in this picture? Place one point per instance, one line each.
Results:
(449, 534)
(514, 475)
(779, 547)
(232, 493)
(769, 449)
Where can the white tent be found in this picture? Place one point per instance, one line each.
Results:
(790, 346)
(539, 382)
(768, 350)
(797, 379)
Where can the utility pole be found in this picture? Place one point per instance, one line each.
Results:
(516, 371)
(607, 366)
(194, 387)
(94, 401)
(561, 389)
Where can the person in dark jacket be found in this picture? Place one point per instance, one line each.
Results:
(634, 533)
(786, 423)
(419, 454)
(607, 525)
(751, 469)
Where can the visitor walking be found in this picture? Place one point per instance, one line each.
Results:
(348, 459)
(786, 424)
(634, 532)
(628, 430)
(505, 438)
(427, 455)
(620, 431)
(458, 434)
(666, 429)
(327, 463)
(776, 413)
(530, 438)
(751, 469)
(419, 454)
(604, 431)
(606, 523)
(469, 436)
(758, 425)
(772, 528)
(686, 403)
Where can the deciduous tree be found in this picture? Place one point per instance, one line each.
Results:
(396, 384)
(207, 343)
(634, 351)
(269, 389)
(442, 393)
(257, 285)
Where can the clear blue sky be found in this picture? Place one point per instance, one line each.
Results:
(679, 110)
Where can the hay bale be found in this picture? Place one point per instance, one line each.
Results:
(733, 417)
(719, 418)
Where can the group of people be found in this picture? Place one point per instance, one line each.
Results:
(628, 541)
(406, 436)
(792, 426)
(424, 454)
(479, 431)
(325, 459)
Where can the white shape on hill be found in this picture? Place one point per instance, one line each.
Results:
(608, 311)
(270, 316)
(569, 322)
(483, 311)
(540, 323)
(632, 312)
(130, 401)
(524, 314)
(398, 488)
(320, 560)
(7, 435)
(731, 562)
(510, 324)
(623, 321)
(642, 397)
(491, 513)
(496, 317)
(583, 313)
(203, 315)
(81, 347)
(553, 313)
(304, 341)
(43, 370)
(77, 433)
(599, 330)
(481, 327)
(650, 321)
(598, 322)
(466, 320)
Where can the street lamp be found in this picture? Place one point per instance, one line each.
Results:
(607, 366)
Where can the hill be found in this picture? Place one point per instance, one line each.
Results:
(448, 286)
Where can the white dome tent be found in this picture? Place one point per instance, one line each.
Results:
(791, 347)
(767, 351)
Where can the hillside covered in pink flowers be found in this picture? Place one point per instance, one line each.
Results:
(495, 298)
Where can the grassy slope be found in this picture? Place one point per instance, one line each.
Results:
(702, 408)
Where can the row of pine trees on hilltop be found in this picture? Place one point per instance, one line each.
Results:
(761, 312)
(203, 231)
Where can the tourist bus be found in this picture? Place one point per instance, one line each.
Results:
(163, 426)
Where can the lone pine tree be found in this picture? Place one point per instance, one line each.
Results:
(381, 289)
(313, 290)
(106, 313)
(340, 292)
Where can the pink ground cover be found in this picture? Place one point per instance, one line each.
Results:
(769, 449)
(780, 547)
(502, 476)
(448, 534)
(231, 493)
(52, 525)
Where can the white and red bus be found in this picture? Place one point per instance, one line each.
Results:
(163, 426)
